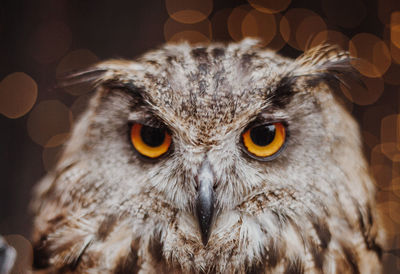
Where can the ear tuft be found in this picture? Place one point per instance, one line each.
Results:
(325, 63)
(111, 70)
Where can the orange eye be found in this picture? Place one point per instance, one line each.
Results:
(150, 141)
(264, 141)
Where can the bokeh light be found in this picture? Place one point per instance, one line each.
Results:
(277, 42)
(386, 208)
(49, 123)
(193, 33)
(189, 11)
(299, 26)
(390, 137)
(395, 53)
(269, 6)
(364, 91)
(396, 186)
(18, 93)
(307, 30)
(259, 25)
(394, 211)
(386, 219)
(191, 36)
(235, 20)
(395, 28)
(381, 168)
(371, 53)
(369, 139)
(390, 129)
(331, 37)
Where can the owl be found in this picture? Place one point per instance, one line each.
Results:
(217, 158)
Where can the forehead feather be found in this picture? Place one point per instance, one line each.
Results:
(214, 83)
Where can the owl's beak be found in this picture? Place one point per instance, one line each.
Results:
(205, 199)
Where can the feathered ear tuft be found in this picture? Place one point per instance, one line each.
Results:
(322, 54)
(73, 78)
(326, 63)
(111, 70)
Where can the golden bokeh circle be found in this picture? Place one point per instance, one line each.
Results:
(235, 20)
(364, 92)
(390, 137)
(390, 128)
(18, 94)
(396, 186)
(385, 208)
(331, 37)
(191, 36)
(369, 139)
(269, 6)
(195, 33)
(277, 42)
(49, 123)
(382, 174)
(307, 30)
(381, 167)
(395, 53)
(391, 151)
(372, 56)
(395, 28)
(394, 211)
(189, 11)
(259, 25)
(299, 26)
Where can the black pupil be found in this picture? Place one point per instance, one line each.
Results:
(262, 135)
(152, 136)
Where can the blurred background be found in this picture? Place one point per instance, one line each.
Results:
(42, 40)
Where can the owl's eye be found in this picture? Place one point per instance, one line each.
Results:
(264, 141)
(150, 141)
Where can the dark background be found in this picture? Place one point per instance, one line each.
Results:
(46, 38)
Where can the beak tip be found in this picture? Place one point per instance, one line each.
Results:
(204, 239)
(205, 216)
(205, 235)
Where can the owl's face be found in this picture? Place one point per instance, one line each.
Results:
(219, 153)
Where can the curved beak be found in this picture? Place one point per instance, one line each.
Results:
(205, 199)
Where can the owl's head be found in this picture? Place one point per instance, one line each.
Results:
(209, 135)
